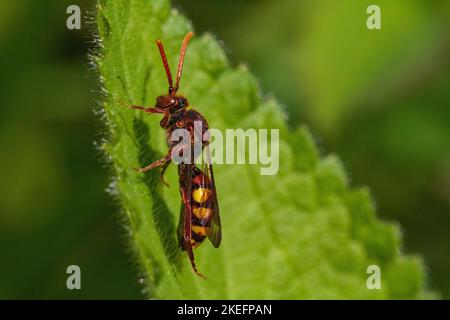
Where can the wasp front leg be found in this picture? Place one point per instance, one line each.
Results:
(148, 110)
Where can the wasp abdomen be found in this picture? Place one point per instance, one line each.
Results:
(201, 207)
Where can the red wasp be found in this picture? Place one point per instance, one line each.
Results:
(199, 213)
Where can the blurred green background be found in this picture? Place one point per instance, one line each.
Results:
(378, 98)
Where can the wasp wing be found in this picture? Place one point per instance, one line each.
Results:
(215, 229)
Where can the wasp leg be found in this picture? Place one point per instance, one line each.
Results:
(187, 232)
(161, 177)
(155, 164)
(188, 246)
(163, 161)
(148, 110)
(145, 109)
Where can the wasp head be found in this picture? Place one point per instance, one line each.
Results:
(171, 102)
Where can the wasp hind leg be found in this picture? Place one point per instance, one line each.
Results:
(187, 236)
(190, 252)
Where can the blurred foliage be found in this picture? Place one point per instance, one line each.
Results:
(53, 208)
(381, 98)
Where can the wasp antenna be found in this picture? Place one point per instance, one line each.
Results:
(166, 64)
(182, 53)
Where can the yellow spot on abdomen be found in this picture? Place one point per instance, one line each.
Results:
(200, 195)
(202, 213)
(194, 243)
(199, 230)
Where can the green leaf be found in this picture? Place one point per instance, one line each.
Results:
(303, 233)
